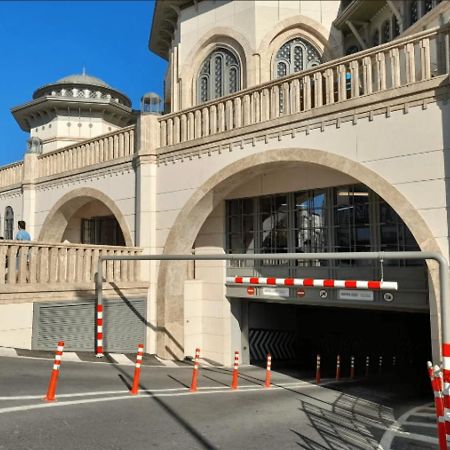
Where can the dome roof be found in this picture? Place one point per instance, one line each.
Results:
(82, 78)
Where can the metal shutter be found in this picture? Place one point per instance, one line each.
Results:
(74, 323)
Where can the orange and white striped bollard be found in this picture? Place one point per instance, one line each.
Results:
(51, 391)
(437, 385)
(367, 366)
(137, 370)
(380, 365)
(338, 367)
(318, 369)
(352, 367)
(195, 371)
(234, 382)
(268, 370)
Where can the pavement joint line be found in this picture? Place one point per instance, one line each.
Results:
(121, 359)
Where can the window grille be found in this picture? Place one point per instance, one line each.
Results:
(220, 74)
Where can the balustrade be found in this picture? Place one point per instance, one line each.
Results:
(31, 263)
(11, 174)
(118, 144)
(402, 62)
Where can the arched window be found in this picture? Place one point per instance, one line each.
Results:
(395, 26)
(220, 74)
(9, 223)
(294, 56)
(386, 31)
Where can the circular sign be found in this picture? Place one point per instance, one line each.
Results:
(388, 297)
(323, 293)
(300, 292)
(250, 290)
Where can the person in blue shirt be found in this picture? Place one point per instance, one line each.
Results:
(22, 234)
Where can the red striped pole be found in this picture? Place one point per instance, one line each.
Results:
(51, 391)
(318, 369)
(352, 367)
(137, 370)
(380, 365)
(268, 370)
(195, 371)
(338, 367)
(99, 347)
(446, 387)
(234, 383)
(394, 361)
(367, 365)
(436, 384)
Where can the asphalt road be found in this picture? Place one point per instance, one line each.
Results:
(95, 411)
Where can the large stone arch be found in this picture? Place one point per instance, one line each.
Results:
(58, 217)
(214, 190)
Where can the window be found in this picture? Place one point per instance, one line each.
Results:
(428, 6)
(101, 231)
(395, 27)
(273, 224)
(220, 75)
(9, 223)
(294, 56)
(376, 38)
(386, 31)
(413, 12)
(352, 49)
(240, 226)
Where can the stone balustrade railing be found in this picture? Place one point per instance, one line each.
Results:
(405, 61)
(11, 174)
(37, 263)
(106, 147)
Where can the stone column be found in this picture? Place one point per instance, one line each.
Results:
(30, 167)
(147, 143)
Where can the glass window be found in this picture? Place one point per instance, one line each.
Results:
(240, 226)
(294, 56)
(101, 231)
(413, 12)
(386, 30)
(273, 224)
(352, 49)
(9, 223)
(376, 38)
(395, 27)
(220, 74)
(428, 5)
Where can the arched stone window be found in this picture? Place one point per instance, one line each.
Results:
(220, 74)
(9, 223)
(294, 56)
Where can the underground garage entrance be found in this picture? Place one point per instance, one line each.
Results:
(295, 334)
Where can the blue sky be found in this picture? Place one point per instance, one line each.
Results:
(42, 41)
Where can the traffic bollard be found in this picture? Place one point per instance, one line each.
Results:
(137, 370)
(437, 385)
(338, 367)
(352, 367)
(318, 369)
(99, 335)
(380, 365)
(367, 366)
(51, 391)
(195, 371)
(268, 370)
(234, 382)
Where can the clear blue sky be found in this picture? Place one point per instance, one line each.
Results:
(42, 41)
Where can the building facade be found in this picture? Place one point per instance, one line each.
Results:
(288, 126)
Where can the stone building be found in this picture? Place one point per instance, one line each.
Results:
(288, 126)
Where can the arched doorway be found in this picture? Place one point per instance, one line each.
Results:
(86, 216)
(212, 194)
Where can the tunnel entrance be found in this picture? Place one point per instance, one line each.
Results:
(295, 334)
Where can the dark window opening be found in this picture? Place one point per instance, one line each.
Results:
(101, 231)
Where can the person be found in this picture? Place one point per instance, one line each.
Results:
(22, 234)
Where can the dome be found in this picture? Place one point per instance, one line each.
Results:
(82, 78)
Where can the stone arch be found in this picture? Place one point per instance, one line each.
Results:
(290, 28)
(58, 217)
(217, 37)
(214, 190)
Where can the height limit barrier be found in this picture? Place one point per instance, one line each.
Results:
(380, 256)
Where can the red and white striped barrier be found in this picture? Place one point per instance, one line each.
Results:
(394, 361)
(137, 370)
(436, 383)
(234, 382)
(352, 367)
(310, 282)
(195, 371)
(99, 334)
(338, 367)
(268, 371)
(446, 388)
(51, 391)
(380, 365)
(318, 369)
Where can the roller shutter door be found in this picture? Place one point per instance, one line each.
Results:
(74, 323)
